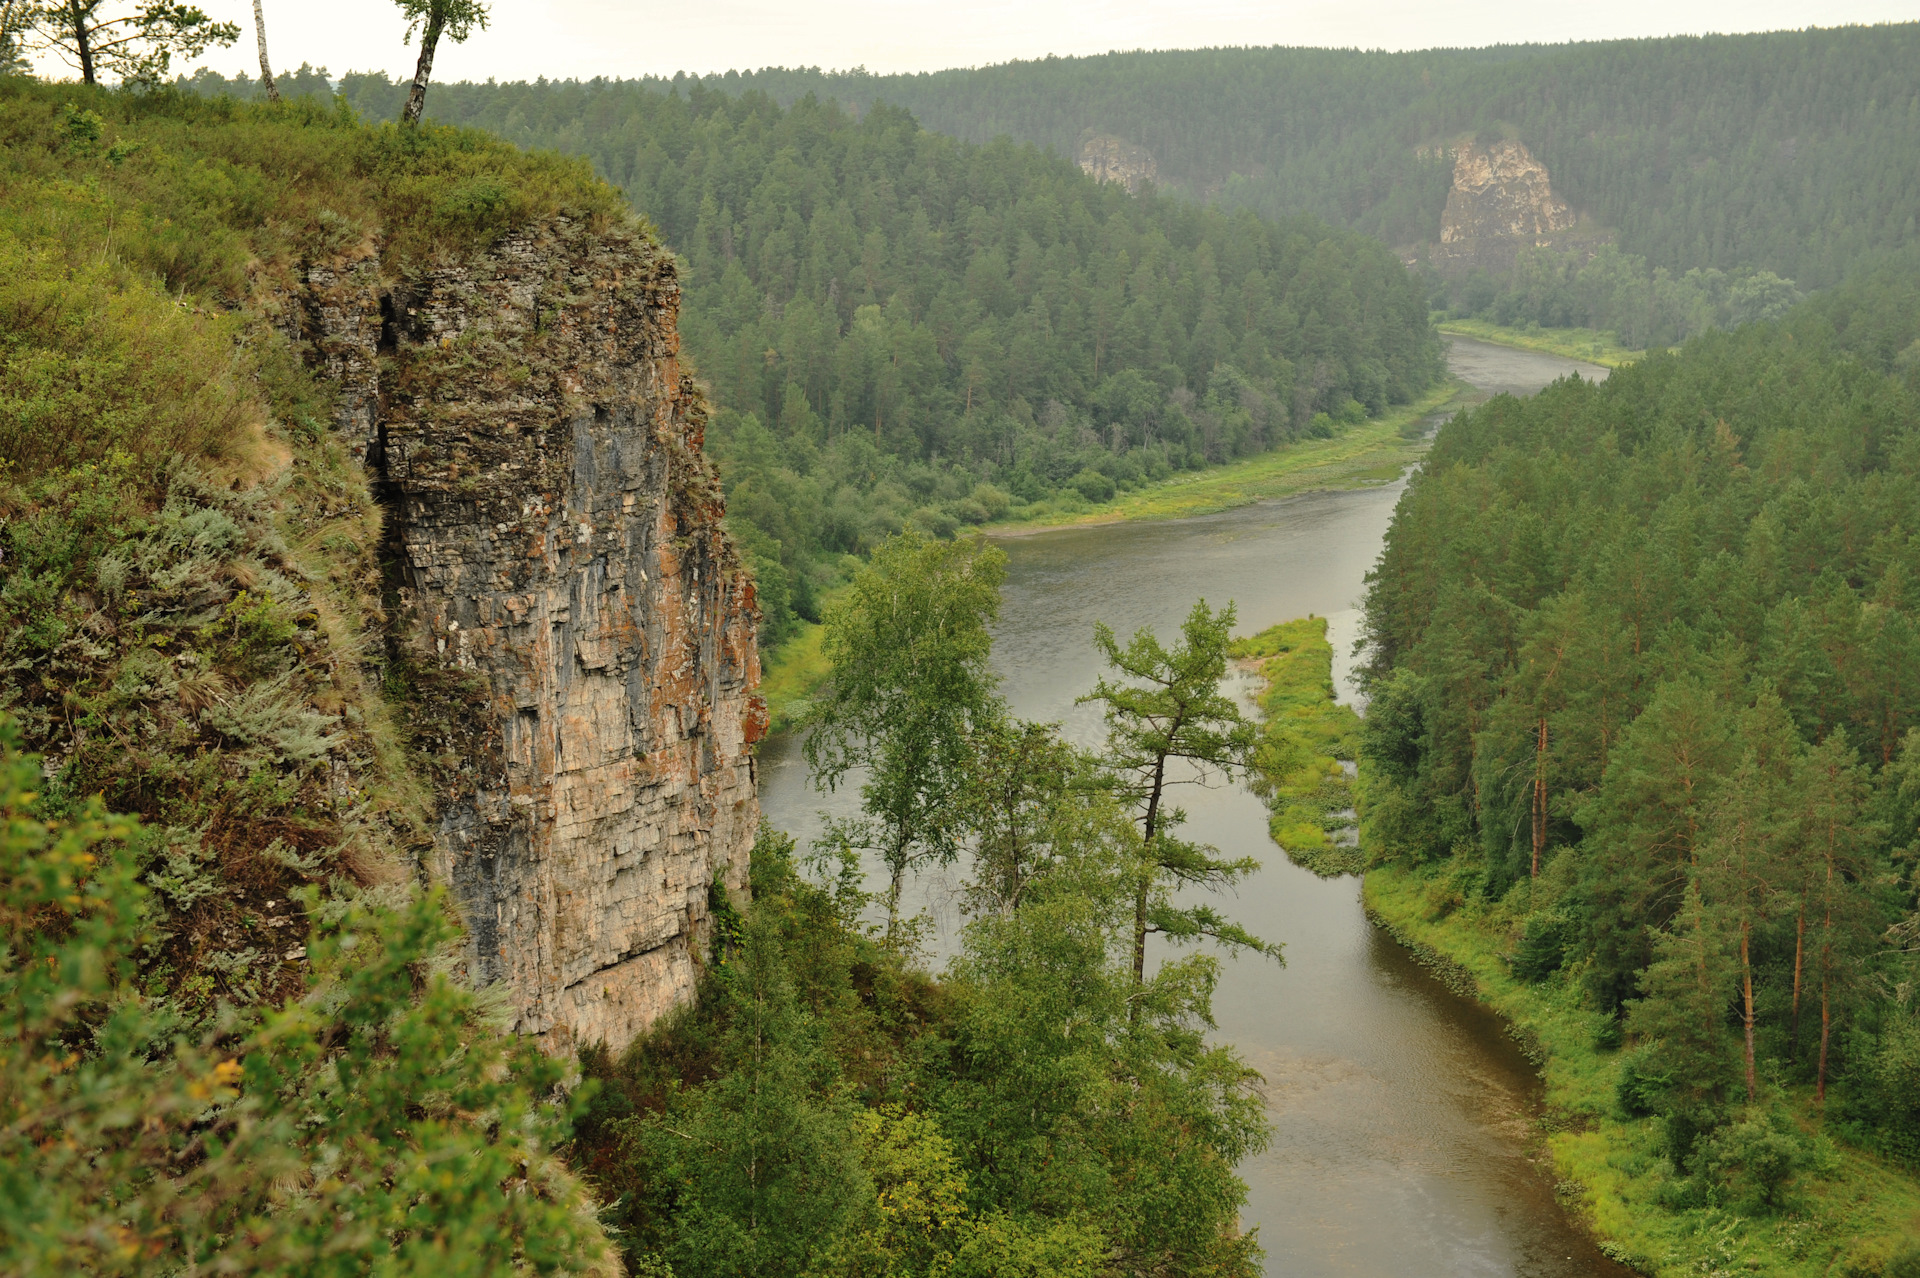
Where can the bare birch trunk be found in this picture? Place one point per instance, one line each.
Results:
(423, 70)
(266, 65)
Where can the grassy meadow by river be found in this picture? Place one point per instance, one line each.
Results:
(1373, 452)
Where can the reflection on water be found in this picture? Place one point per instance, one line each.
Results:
(1401, 1112)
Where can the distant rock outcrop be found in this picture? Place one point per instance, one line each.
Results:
(1502, 201)
(1111, 159)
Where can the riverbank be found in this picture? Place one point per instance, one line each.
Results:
(1852, 1216)
(1377, 451)
(1373, 452)
(1590, 345)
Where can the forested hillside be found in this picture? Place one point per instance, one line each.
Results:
(239, 1034)
(1735, 172)
(910, 329)
(1643, 700)
(1792, 151)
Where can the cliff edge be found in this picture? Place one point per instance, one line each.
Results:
(572, 621)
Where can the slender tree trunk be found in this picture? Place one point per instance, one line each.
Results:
(1539, 796)
(897, 864)
(1746, 981)
(1826, 1029)
(423, 71)
(1141, 893)
(1799, 949)
(80, 42)
(266, 66)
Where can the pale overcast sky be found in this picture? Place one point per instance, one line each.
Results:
(584, 38)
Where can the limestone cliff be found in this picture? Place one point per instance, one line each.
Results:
(1501, 202)
(577, 630)
(1110, 159)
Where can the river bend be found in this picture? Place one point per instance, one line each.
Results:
(1402, 1113)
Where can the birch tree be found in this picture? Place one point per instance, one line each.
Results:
(454, 19)
(266, 66)
(910, 690)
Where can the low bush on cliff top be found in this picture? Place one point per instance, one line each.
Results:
(136, 231)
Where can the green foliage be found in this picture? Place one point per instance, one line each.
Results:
(205, 200)
(1636, 676)
(891, 321)
(908, 643)
(1307, 745)
(1168, 723)
(1752, 1162)
(1606, 289)
(135, 42)
(92, 362)
(372, 1125)
(1789, 151)
(826, 1108)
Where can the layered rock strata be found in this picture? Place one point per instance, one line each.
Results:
(1501, 202)
(559, 573)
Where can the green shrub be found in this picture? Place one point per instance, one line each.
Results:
(1751, 1163)
(1093, 486)
(1543, 946)
(373, 1124)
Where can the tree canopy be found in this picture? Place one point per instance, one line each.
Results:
(1641, 671)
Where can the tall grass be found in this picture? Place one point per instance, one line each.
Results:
(137, 232)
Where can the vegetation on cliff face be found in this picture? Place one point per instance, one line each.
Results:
(230, 1010)
(1642, 717)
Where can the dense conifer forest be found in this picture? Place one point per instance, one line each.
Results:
(1789, 151)
(1733, 174)
(1642, 688)
(1789, 156)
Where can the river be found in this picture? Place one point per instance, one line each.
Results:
(1402, 1113)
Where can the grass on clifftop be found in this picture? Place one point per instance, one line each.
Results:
(1594, 346)
(1305, 737)
(143, 235)
(1849, 1219)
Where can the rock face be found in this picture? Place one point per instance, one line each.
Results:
(1501, 202)
(1110, 159)
(561, 584)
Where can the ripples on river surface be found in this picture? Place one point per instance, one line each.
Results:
(1402, 1114)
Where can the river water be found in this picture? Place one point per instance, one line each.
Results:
(1402, 1113)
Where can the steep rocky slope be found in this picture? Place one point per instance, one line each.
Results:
(566, 602)
(1501, 201)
